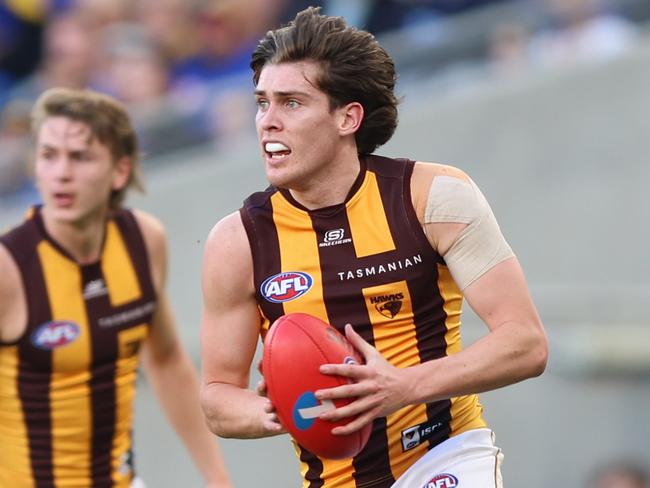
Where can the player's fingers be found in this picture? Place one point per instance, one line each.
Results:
(269, 407)
(261, 388)
(358, 342)
(344, 391)
(353, 371)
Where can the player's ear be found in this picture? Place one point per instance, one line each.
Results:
(351, 118)
(121, 173)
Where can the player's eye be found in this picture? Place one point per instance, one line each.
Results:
(262, 104)
(293, 103)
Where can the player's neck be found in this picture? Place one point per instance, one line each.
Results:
(82, 239)
(330, 186)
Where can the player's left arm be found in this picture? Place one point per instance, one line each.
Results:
(170, 370)
(465, 233)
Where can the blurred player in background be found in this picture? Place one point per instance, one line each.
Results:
(390, 246)
(620, 475)
(82, 299)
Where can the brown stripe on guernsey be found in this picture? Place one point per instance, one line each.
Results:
(333, 258)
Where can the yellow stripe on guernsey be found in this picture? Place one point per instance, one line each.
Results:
(368, 223)
(123, 285)
(69, 392)
(394, 339)
(125, 376)
(466, 411)
(297, 248)
(121, 279)
(14, 450)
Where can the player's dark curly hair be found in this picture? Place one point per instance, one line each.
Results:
(354, 68)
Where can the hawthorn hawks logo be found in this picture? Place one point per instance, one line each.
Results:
(55, 334)
(287, 286)
(388, 305)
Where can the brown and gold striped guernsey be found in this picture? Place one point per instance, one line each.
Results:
(67, 385)
(367, 262)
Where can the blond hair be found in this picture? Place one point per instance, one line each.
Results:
(107, 120)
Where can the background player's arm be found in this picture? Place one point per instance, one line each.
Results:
(170, 371)
(513, 350)
(13, 306)
(230, 329)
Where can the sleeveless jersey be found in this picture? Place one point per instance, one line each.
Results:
(369, 263)
(67, 385)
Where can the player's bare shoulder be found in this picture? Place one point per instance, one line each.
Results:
(13, 305)
(228, 261)
(155, 239)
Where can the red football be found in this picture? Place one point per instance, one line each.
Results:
(294, 348)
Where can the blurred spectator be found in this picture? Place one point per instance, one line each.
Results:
(68, 58)
(15, 166)
(133, 70)
(215, 83)
(170, 24)
(21, 26)
(508, 49)
(580, 30)
(620, 475)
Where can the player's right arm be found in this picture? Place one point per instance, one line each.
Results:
(230, 327)
(13, 307)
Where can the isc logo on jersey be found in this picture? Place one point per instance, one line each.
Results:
(52, 335)
(284, 287)
(443, 480)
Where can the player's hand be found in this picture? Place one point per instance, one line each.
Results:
(379, 387)
(271, 422)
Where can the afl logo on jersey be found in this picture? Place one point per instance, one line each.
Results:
(52, 335)
(444, 480)
(284, 287)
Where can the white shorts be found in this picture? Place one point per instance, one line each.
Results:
(137, 483)
(469, 459)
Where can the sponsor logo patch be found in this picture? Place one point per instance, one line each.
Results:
(55, 334)
(334, 238)
(442, 480)
(284, 287)
(94, 288)
(307, 409)
(414, 436)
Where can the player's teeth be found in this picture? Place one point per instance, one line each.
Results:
(275, 147)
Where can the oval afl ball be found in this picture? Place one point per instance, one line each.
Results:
(294, 348)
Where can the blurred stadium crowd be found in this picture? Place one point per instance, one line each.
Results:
(181, 66)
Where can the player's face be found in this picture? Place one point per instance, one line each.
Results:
(75, 173)
(298, 133)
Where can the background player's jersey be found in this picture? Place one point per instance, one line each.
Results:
(366, 262)
(67, 385)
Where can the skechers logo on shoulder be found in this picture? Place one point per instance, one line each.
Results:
(55, 334)
(286, 286)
